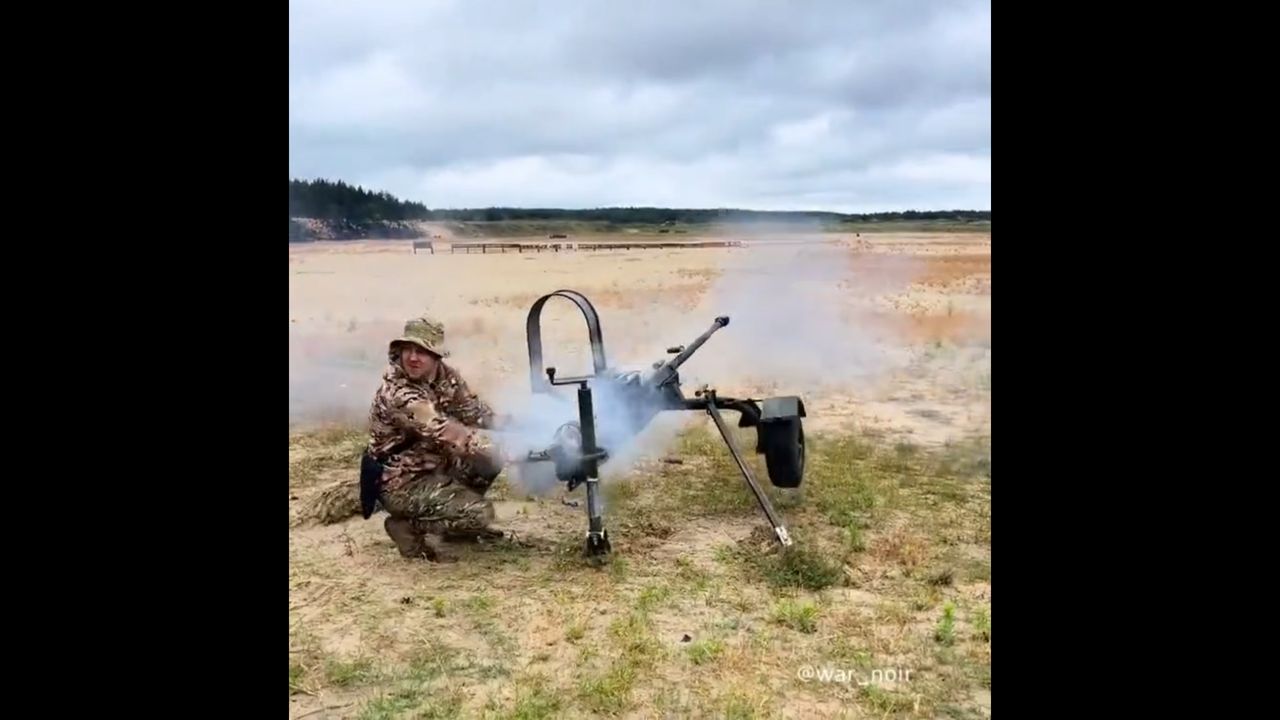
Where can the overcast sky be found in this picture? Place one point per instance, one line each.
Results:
(846, 105)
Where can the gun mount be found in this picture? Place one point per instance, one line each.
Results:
(636, 397)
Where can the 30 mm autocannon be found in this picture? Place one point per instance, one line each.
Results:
(635, 398)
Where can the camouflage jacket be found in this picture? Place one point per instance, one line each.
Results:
(429, 425)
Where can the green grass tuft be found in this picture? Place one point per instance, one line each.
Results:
(799, 566)
(704, 651)
(801, 616)
(982, 624)
(946, 630)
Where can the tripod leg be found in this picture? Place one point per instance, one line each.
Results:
(779, 529)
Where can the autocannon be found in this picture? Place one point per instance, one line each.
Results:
(630, 399)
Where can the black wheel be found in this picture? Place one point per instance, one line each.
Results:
(782, 442)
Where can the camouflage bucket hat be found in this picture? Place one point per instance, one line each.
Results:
(425, 332)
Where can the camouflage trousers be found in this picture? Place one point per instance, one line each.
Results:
(436, 504)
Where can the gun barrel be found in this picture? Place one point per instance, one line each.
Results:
(669, 368)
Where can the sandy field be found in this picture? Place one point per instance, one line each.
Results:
(890, 332)
(887, 339)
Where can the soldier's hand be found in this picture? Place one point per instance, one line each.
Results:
(455, 434)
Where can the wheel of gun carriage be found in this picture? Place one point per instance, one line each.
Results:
(782, 442)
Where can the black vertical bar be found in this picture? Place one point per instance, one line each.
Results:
(587, 424)
(586, 417)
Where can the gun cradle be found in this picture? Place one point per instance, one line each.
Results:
(637, 398)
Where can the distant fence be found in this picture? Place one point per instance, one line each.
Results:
(538, 247)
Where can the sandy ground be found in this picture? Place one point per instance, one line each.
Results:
(888, 332)
(887, 335)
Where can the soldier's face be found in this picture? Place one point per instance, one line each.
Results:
(418, 363)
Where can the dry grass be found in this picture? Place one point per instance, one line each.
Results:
(620, 297)
(698, 614)
(942, 271)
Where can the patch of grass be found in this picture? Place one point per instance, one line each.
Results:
(438, 606)
(634, 636)
(941, 577)
(926, 600)
(892, 613)
(393, 704)
(537, 702)
(348, 673)
(982, 624)
(848, 653)
(704, 651)
(652, 596)
(849, 479)
(946, 630)
(609, 693)
(637, 652)
(853, 540)
(431, 661)
(904, 546)
(978, 571)
(412, 693)
(965, 460)
(726, 554)
(576, 631)
(801, 616)
(313, 453)
(886, 701)
(737, 706)
(618, 566)
(296, 674)
(799, 566)
(490, 670)
(691, 574)
(413, 700)
(709, 483)
(439, 705)
(480, 603)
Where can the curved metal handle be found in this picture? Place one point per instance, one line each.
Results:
(533, 329)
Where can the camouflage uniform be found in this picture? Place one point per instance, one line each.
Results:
(437, 459)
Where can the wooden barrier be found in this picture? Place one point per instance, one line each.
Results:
(423, 244)
(486, 247)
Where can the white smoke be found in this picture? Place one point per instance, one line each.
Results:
(803, 321)
(627, 438)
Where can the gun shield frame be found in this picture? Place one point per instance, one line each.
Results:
(577, 457)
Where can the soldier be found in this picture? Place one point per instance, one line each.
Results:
(434, 458)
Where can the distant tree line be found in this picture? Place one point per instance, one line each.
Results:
(338, 201)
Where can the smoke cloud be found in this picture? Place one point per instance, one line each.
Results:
(803, 321)
(804, 317)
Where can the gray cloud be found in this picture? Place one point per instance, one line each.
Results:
(865, 106)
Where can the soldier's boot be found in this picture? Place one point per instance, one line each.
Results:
(408, 540)
(473, 534)
(433, 549)
(417, 542)
(431, 538)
